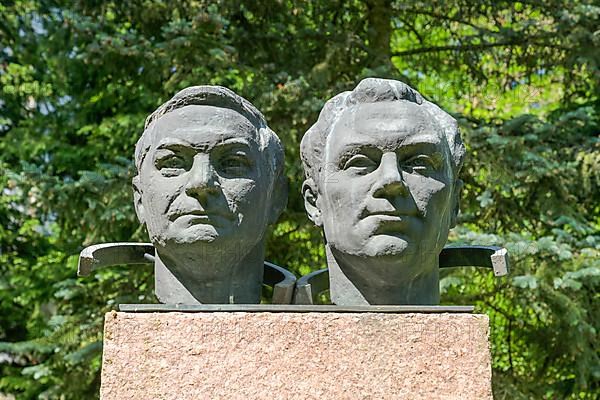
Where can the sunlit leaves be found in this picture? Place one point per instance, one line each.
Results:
(78, 79)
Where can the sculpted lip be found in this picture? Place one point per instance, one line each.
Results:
(201, 215)
(388, 222)
(388, 218)
(392, 215)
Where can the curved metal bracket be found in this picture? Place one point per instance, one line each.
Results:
(310, 286)
(283, 282)
(493, 257)
(107, 254)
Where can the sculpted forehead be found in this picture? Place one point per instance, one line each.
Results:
(201, 123)
(392, 116)
(388, 125)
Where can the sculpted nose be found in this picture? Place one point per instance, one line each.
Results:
(390, 182)
(202, 180)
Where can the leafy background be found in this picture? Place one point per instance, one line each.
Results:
(77, 79)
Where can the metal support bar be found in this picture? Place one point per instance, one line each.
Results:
(493, 257)
(107, 254)
(283, 282)
(310, 286)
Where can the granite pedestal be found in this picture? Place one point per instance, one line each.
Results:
(295, 355)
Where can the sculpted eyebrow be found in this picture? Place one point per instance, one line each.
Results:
(419, 146)
(230, 147)
(233, 143)
(177, 145)
(353, 149)
(180, 145)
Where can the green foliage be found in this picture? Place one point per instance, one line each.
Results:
(77, 80)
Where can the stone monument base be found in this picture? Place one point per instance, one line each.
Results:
(332, 355)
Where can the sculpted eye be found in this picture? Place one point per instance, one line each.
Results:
(172, 165)
(236, 164)
(360, 163)
(421, 163)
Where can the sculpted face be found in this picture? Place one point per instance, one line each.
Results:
(204, 180)
(387, 187)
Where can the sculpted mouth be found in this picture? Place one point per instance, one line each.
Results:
(390, 222)
(199, 215)
(394, 214)
(387, 215)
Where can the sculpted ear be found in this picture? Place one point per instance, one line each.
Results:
(137, 199)
(310, 194)
(458, 185)
(279, 198)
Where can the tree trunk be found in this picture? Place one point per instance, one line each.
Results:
(379, 32)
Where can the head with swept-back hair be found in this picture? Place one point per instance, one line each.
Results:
(381, 166)
(209, 181)
(373, 90)
(217, 96)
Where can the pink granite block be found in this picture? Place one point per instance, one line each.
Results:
(238, 355)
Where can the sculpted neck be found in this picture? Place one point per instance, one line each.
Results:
(212, 278)
(372, 282)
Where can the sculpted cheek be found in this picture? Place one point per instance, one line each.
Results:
(424, 191)
(344, 196)
(162, 191)
(247, 200)
(338, 199)
(240, 193)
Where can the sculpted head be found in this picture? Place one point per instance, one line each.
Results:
(381, 166)
(210, 179)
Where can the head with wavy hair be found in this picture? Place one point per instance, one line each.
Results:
(210, 180)
(381, 166)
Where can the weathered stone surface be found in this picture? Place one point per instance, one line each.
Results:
(382, 180)
(295, 356)
(205, 160)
